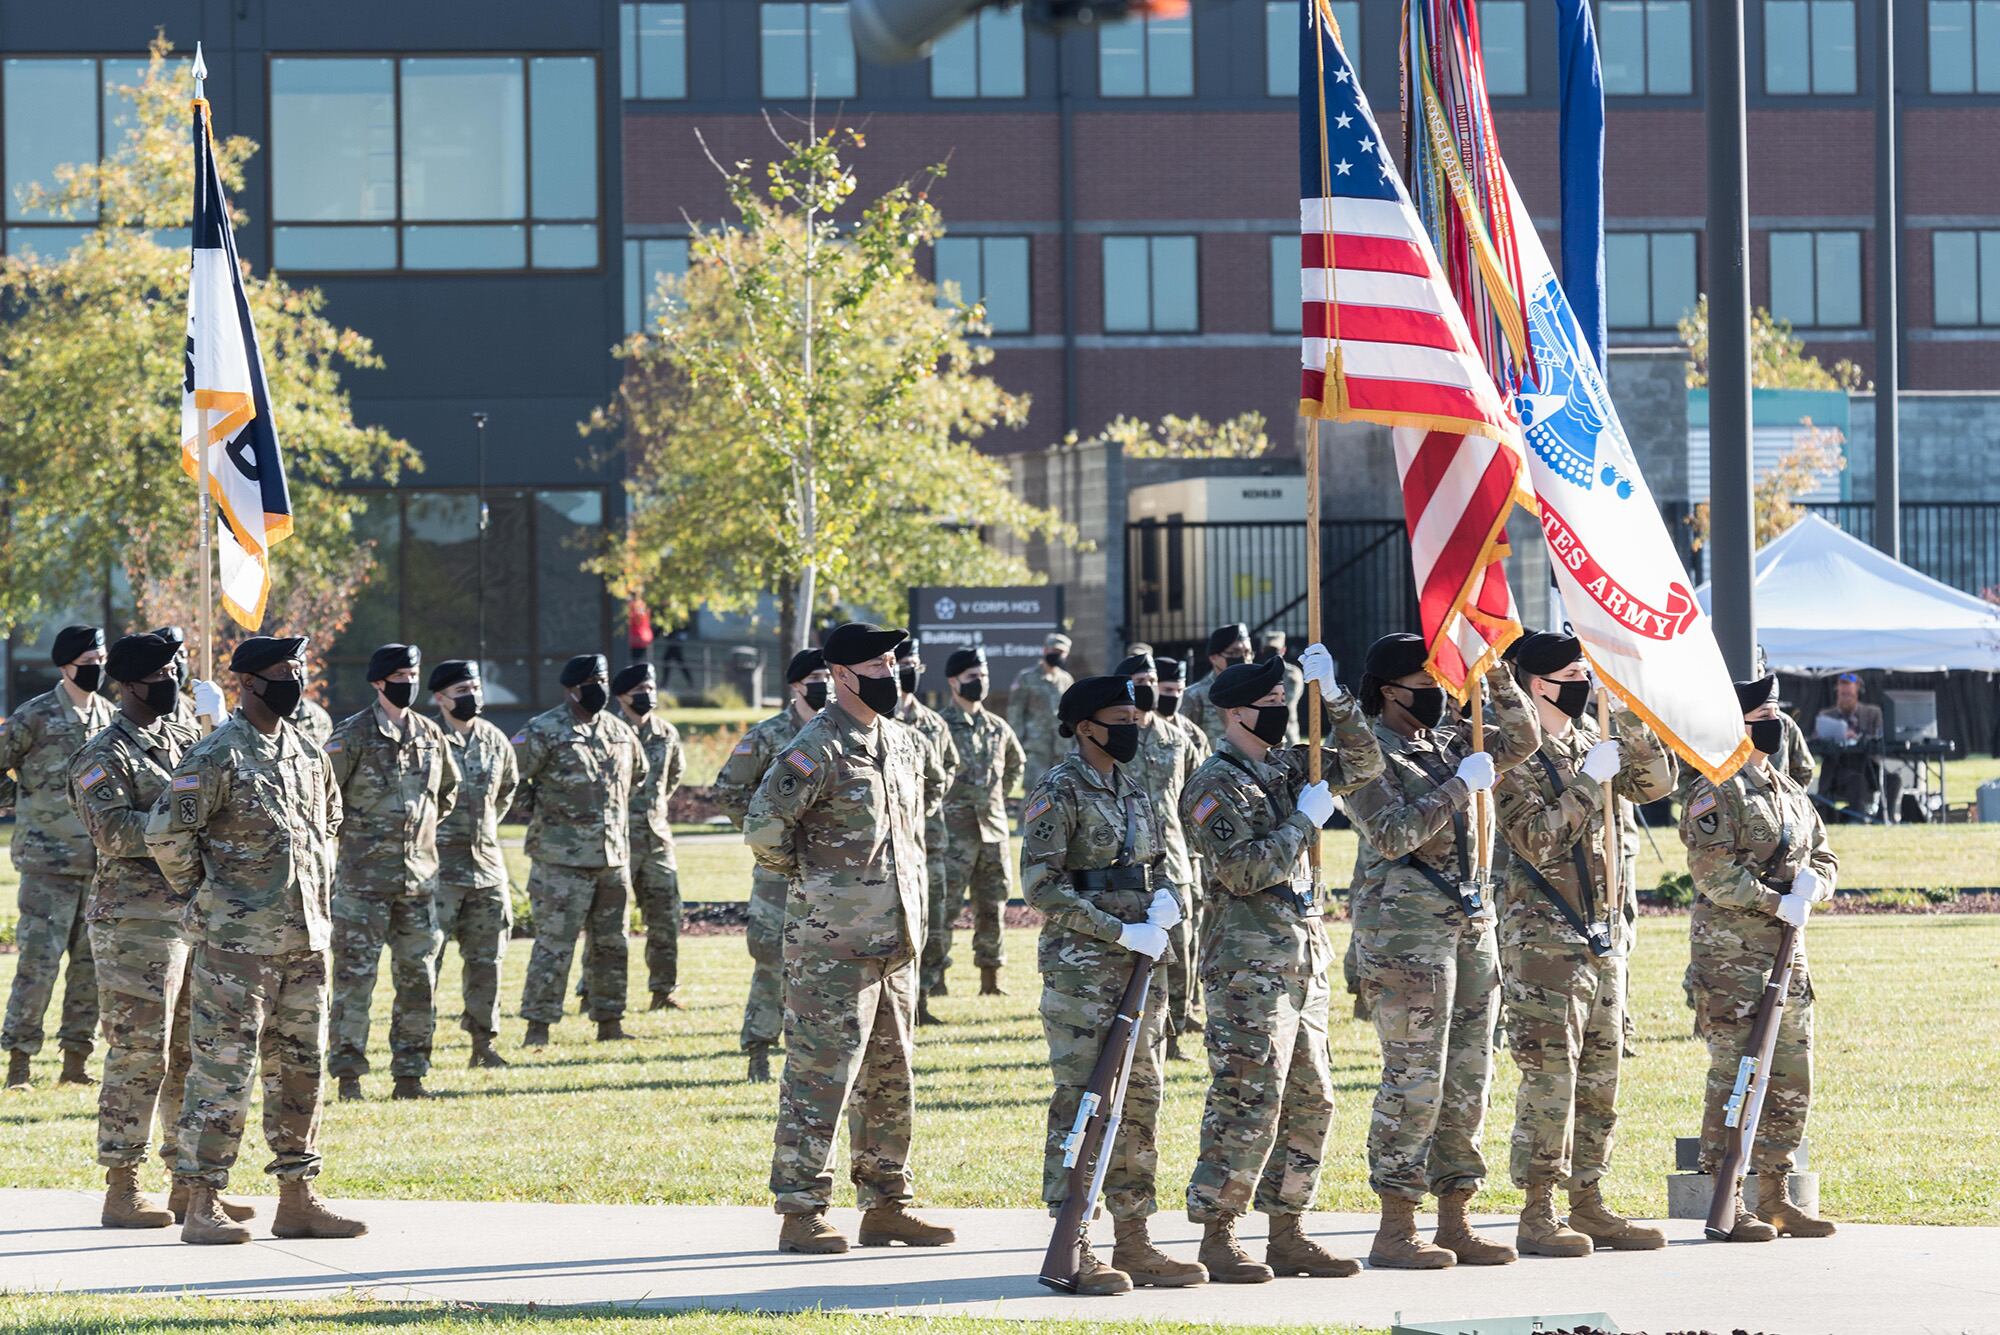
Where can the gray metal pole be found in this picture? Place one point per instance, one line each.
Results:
(1888, 377)
(1731, 525)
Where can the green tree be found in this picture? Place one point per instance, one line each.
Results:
(1241, 437)
(799, 419)
(90, 398)
(1778, 357)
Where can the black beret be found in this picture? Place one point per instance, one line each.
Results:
(1246, 683)
(1395, 656)
(860, 642)
(1223, 636)
(582, 668)
(137, 657)
(1170, 669)
(391, 658)
(1546, 651)
(1754, 695)
(262, 651)
(1513, 649)
(804, 663)
(1088, 696)
(173, 635)
(451, 672)
(908, 649)
(964, 660)
(1133, 666)
(632, 677)
(73, 642)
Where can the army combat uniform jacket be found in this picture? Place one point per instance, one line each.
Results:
(37, 742)
(1033, 700)
(990, 762)
(114, 782)
(577, 780)
(397, 783)
(652, 829)
(468, 836)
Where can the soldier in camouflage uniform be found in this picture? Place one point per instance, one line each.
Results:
(1184, 972)
(990, 761)
(1091, 851)
(1227, 646)
(54, 856)
(397, 780)
(940, 767)
(1271, 644)
(1759, 857)
(1253, 812)
(839, 817)
(315, 722)
(184, 720)
(1429, 967)
(474, 905)
(764, 934)
(244, 831)
(655, 876)
(579, 768)
(1563, 950)
(1032, 699)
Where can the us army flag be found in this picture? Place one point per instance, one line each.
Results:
(224, 374)
(1621, 581)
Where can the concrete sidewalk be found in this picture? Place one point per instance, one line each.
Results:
(1870, 1279)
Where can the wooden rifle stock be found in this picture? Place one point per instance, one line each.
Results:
(1753, 1078)
(1097, 1117)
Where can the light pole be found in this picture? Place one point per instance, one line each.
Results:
(1888, 246)
(1731, 520)
(479, 430)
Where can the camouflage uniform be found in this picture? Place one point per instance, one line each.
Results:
(474, 906)
(1565, 1005)
(1032, 702)
(1078, 820)
(397, 782)
(577, 780)
(655, 876)
(839, 816)
(941, 762)
(1166, 761)
(314, 722)
(55, 858)
(1184, 974)
(764, 1011)
(137, 938)
(245, 832)
(1264, 960)
(184, 724)
(1746, 839)
(1428, 972)
(974, 855)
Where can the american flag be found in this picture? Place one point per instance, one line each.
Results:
(1383, 340)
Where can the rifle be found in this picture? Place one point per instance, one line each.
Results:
(1086, 1150)
(1753, 1077)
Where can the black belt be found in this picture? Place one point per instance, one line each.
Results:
(1466, 892)
(1585, 924)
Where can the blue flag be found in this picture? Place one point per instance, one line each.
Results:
(1581, 91)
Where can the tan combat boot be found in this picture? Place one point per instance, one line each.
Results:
(989, 981)
(1291, 1252)
(810, 1235)
(206, 1225)
(1135, 1255)
(1788, 1216)
(74, 1069)
(177, 1201)
(1748, 1227)
(1541, 1233)
(1225, 1258)
(1605, 1227)
(124, 1207)
(350, 1089)
(611, 1031)
(1094, 1279)
(537, 1035)
(485, 1057)
(1456, 1236)
(302, 1214)
(760, 1064)
(1397, 1246)
(17, 1071)
(884, 1224)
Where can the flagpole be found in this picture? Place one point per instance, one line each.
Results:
(201, 439)
(1614, 862)
(1313, 629)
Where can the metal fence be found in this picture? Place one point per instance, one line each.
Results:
(1954, 542)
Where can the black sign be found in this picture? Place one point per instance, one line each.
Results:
(1011, 623)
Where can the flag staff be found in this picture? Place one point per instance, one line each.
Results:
(1314, 632)
(202, 418)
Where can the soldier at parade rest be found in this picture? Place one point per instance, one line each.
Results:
(806, 693)
(1758, 852)
(656, 877)
(1227, 646)
(1032, 699)
(839, 817)
(940, 767)
(1564, 947)
(245, 834)
(990, 762)
(1253, 812)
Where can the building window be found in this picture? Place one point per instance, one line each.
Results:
(1146, 57)
(1965, 278)
(1282, 29)
(1809, 47)
(1649, 279)
(989, 269)
(1816, 279)
(1965, 46)
(458, 163)
(653, 49)
(1151, 285)
(1287, 296)
(1503, 46)
(808, 51)
(647, 261)
(1646, 47)
(985, 57)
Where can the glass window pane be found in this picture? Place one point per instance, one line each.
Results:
(1786, 32)
(956, 260)
(1792, 277)
(1006, 283)
(1673, 277)
(1176, 302)
(1503, 37)
(1986, 45)
(628, 50)
(563, 142)
(1287, 296)
(565, 245)
(955, 63)
(662, 41)
(1621, 46)
(1281, 48)
(377, 607)
(510, 558)
(50, 110)
(664, 257)
(569, 529)
(333, 140)
(1989, 278)
(1833, 46)
(49, 243)
(1170, 56)
(1954, 278)
(1839, 256)
(784, 50)
(1951, 46)
(832, 52)
(332, 248)
(1003, 54)
(500, 247)
(1128, 302)
(1627, 281)
(635, 287)
(1121, 59)
(441, 571)
(463, 133)
(118, 81)
(1669, 48)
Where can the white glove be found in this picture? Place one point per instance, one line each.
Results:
(1143, 938)
(1793, 908)
(1602, 763)
(1316, 804)
(208, 700)
(1812, 885)
(1165, 911)
(1477, 771)
(1317, 664)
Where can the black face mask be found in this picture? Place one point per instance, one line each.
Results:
(1054, 657)
(465, 708)
(1571, 697)
(1145, 695)
(907, 678)
(1426, 705)
(1168, 705)
(89, 676)
(815, 696)
(972, 689)
(1272, 720)
(1121, 741)
(878, 693)
(641, 703)
(591, 697)
(1768, 735)
(399, 693)
(161, 696)
(282, 697)
(1231, 660)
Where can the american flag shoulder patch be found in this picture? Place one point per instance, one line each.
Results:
(186, 783)
(519, 737)
(93, 778)
(1035, 808)
(1205, 808)
(742, 748)
(1702, 805)
(335, 745)
(801, 762)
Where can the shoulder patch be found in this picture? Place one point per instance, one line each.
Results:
(1204, 809)
(801, 762)
(743, 748)
(187, 783)
(93, 778)
(1702, 805)
(1036, 808)
(334, 744)
(519, 737)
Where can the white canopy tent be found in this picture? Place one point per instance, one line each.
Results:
(1826, 601)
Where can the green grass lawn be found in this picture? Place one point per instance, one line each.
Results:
(1902, 1128)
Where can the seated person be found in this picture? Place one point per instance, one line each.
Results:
(1854, 779)
(1862, 721)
